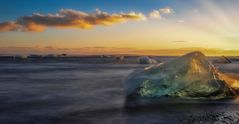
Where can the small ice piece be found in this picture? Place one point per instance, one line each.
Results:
(146, 60)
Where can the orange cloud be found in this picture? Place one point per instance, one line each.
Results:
(8, 26)
(68, 18)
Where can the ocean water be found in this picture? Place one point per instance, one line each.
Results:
(76, 93)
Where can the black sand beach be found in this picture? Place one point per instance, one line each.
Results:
(73, 92)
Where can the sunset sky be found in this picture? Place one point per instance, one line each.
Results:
(159, 27)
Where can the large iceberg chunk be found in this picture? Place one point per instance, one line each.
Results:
(189, 76)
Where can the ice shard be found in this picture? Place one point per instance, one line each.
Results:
(188, 76)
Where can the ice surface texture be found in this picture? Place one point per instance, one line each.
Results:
(189, 76)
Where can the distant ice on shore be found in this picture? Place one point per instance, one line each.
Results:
(146, 60)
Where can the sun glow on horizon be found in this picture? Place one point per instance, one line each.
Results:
(210, 26)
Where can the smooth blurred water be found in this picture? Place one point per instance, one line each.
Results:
(72, 93)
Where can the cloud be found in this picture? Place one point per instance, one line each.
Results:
(166, 10)
(8, 26)
(180, 21)
(157, 14)
(68, 18)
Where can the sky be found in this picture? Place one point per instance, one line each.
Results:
(158, 27)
